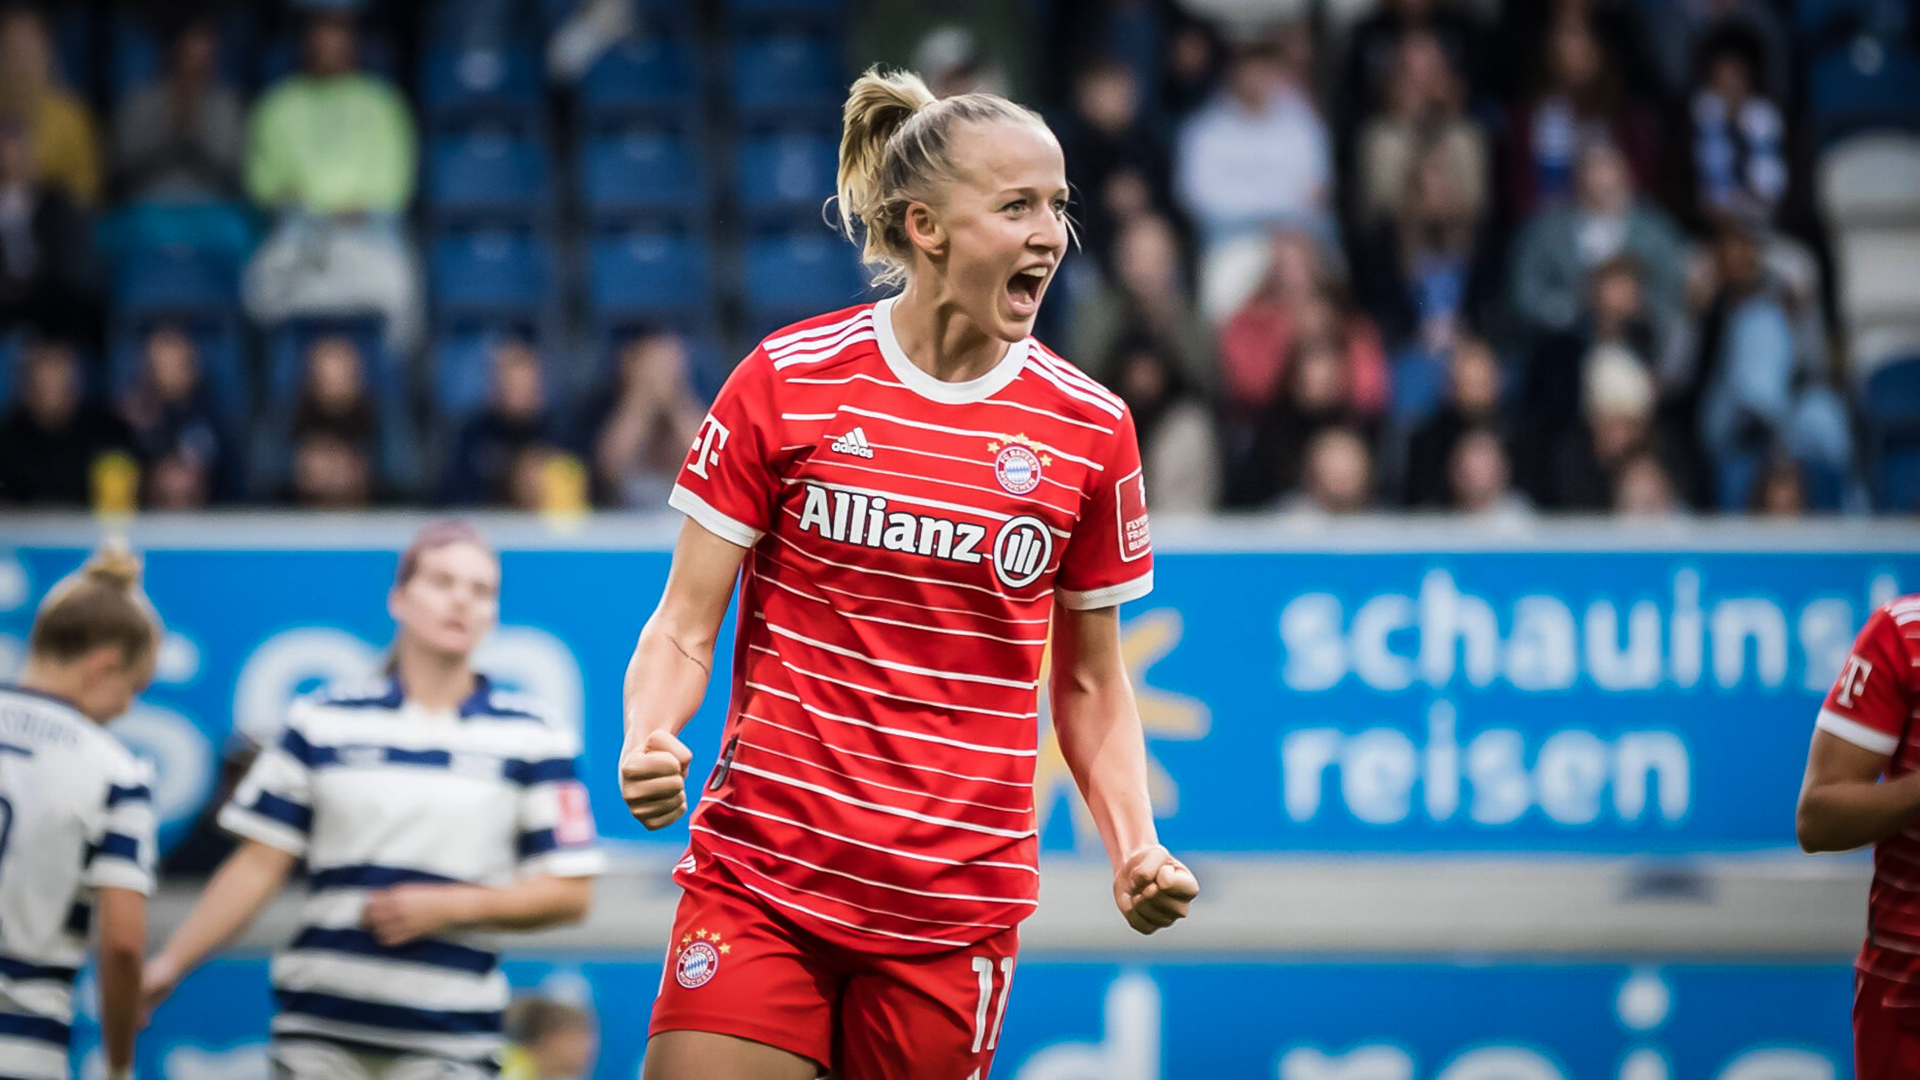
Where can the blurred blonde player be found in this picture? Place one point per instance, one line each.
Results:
(431, 809)
(76, 820)
(910, 494)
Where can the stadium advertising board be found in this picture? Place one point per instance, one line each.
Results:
(1587, 701)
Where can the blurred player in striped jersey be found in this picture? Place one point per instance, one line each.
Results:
(431, 809)
(76, 820)
(910, 493)
(1864, 732)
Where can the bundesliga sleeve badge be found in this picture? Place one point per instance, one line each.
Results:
(699, 958)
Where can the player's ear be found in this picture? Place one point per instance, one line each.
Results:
(925, 230)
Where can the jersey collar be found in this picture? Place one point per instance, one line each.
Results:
(947, 393)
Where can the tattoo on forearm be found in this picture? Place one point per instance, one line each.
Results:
(701, 664)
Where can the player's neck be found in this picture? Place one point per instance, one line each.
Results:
(435, 682)
(62, 681)
(939, 339)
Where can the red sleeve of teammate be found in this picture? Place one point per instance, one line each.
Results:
(1870, 701)
(1109, 558)
(727, 483)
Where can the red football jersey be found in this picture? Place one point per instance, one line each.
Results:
(909, 540)
(1872, 705)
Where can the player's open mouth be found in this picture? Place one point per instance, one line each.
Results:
(1024, 289)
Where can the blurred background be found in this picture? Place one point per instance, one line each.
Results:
(1529, 391)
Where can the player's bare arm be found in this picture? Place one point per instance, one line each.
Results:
(667, 676)
(120, 947)
(234, 897)
(1098, 725)
(1843, 803)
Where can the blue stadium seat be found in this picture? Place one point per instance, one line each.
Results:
(786, 11)
(648, 276)
(488, 174)
(645, 74)
(640, 171)
(1896, 479)
(793, 276)
(220, 342)
(786, 174)
(492, 273)
(280, 57)
(1419, 383)
(175, 278)
(1891, 396)
(1866, 85)
(486, 85)
(462, 365)
(11, 346)
(787, 74)
(1826, 19)
(288, 342)
(1890, 407)
(137, 55)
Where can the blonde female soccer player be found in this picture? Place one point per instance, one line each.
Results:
(910, 493)
(76, 820)
(431, 809)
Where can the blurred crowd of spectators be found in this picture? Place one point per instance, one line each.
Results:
(1553, 255)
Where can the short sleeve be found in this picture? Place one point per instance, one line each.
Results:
(554, 817)
(120, 853)
(727, 483)
(274, 802)
(1109, 558)
(1870, 700)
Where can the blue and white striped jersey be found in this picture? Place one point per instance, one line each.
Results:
(75, 815)
(373, 791)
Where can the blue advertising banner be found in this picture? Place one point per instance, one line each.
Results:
(1589, 701)
(1276, 1020)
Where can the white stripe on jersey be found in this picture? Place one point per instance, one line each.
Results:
(895, 384)
(1034, 599)
(764, 876)
(926, 426)
(1077, 377)
(807, 416)
(870, 782)
(775, 560)
(1027, 785)
(763, 894)
(918, 856)
(895, 665)
(898, 622)
(905, 733)
(380, 980)
(1054, 376)
(775, 345)
(697, 827)
(877, 692)
(826, 352)
(948, 457)
(880, 808)
(846, 463)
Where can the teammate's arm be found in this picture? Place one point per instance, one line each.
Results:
(234, 897)
(405, 912)
(1098, 727)
(120, 943)
(668, 674)
(1843, 804)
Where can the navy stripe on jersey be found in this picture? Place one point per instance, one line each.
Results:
(285, 811)
(516, 770)
(394, 1017)
(38, 1028)
(115, 845)
(9, 748)
(537, 842)
(80, 919)
(440, 954)
(480, 703)
(21, 971)
(117, 794)
(369, 876)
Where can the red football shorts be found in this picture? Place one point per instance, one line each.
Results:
(1886, 1039)
(736, 966)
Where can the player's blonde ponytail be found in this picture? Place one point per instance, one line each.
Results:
(99, 604)
(896, 146)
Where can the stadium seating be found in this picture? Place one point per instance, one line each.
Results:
(1890, 403)
(175, 278)
(647, 277)
(639, 172)
(492, 272)
(288, 342)
(1864, 85)
(1871, 179)
(645, 75)
(487, 174)
(1877, 270)
(786, 175)
(460, 86)
(787, 74)
(791, 276)
(219, 341)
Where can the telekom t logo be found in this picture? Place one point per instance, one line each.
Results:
(706, 446)
(1853, 680)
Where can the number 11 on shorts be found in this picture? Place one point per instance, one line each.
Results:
(983, 967)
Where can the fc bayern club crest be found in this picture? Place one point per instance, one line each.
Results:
(1017, 468)
(698, 960)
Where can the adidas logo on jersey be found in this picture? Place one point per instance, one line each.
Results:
(853, 442)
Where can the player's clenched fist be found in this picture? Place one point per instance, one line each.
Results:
(1153, 889)
(653, 779)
